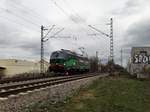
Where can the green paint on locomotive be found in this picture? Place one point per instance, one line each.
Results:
(73, 63)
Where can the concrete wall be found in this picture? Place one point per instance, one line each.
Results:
(14, 66)
(140, 60)
(55, 93)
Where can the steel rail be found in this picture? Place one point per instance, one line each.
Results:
(30, 87)
(29, 82)
(16, 79)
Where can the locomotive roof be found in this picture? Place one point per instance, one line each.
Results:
(70, 53)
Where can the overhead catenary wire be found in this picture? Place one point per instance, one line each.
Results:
(99, 31)
(14, 21)
(74, 12)
(18, 16)
(74, 20)
(27, 14)
(57, 32)
(66, 13)
(18, 23)
(27, 18)
(49, 31)
(34, 14)
(78, 18)
(81, 20)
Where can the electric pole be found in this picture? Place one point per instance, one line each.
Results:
(44, 38)
(110, 36)
(97, 61)
(111, 41)
(121, 57)
(96, 54)
(42, 50)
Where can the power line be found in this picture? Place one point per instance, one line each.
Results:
(74, 13)
(49, 31)
(77, 18)
(110, 36)
(33, 12)
(68, 15)
(18, 16)
(99, 31)
(27, 13)
(58, 32)
(14, 22)
(70, 7)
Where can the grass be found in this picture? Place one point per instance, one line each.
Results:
(111, 94)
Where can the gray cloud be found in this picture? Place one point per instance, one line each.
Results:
(17, 9)
(30, 46)
(13, 39)
(138, 34)
(130, 7)
(5, 37)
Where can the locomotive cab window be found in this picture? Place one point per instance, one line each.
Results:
(58, 55)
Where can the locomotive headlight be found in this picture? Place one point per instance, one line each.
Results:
(74, 63)
(64, 64)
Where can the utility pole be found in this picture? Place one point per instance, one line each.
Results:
(97, 61)
(111, 40)
(121, 57)
(42, 50)
(44, 38)
(110, 36)
(96, 54)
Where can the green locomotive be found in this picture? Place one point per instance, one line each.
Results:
(68, 62)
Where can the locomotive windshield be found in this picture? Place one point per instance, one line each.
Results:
(58, 55)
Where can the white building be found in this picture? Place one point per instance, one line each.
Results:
(11, 67)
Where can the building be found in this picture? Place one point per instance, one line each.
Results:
(139, 63)
(11, 67)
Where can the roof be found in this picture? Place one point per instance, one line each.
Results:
(72, 53)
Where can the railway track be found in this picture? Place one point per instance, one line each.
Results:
(16, 88)
(18, 79)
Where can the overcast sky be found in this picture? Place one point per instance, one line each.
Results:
(20, 22)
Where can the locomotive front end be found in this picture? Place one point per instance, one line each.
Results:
(57, 62)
